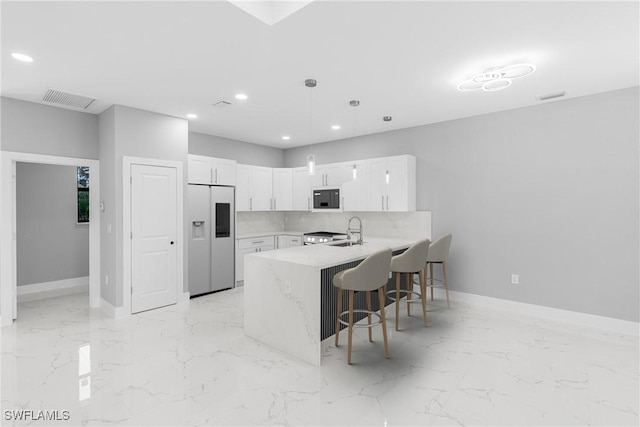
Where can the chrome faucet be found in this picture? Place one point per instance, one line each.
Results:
(355, 230)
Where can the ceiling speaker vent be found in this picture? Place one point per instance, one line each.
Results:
(221, 104)
(67, 99)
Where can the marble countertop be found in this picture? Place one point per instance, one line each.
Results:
(269, 233)
(326, 255)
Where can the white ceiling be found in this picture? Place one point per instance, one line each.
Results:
(403, 59)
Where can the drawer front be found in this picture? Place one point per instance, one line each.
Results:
(255, 242)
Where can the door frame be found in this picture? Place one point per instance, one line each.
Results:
(8, 245)
(127, 162)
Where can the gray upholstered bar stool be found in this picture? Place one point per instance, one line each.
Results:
(370, 275)
(438, 254)
(410, 262)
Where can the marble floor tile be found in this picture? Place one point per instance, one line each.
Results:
(191, 364)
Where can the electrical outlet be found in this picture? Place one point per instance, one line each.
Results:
(515, 279)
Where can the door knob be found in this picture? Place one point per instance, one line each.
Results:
(172, 242)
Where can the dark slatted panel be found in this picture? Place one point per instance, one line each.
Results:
(329, 299)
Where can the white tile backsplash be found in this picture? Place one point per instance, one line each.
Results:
(380, 224)
(259, 222)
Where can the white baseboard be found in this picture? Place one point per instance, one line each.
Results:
(184, 296)
(111, 311)
(547, 313)
(38, 291)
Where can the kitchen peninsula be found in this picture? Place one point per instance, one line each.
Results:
(289, 299)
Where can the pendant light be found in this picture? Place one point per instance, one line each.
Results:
(354, 103)
(311, 159)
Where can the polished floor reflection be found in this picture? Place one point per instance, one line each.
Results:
(190, 364)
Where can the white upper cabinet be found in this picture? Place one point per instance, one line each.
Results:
(282, 189)
(331, 174)
(391, 184)
(242, 188)
(211, 170)
(354, 189)
(253, 188)
(387, 184)
(301, 189)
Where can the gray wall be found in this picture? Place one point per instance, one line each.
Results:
(28, 127)
(131, 132)
(548, 192)
(50, 244)
(243, 152)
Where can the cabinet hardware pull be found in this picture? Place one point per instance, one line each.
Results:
(210, 174)
(250, 203)
(382, 202)
(308, 203)
(259, 241)
(387, 202)
(216, 175)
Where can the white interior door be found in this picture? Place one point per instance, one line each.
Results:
(154, 255)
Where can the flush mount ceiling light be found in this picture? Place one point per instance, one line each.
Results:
(335, 127)
(286, 138)
(241, 96)
(496, 79)
(192, 116)
(21, 57)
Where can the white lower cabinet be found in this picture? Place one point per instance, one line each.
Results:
(288, 241)
(249, 246)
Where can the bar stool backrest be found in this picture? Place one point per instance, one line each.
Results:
(370, 274)
(439, 250)
(413, 259)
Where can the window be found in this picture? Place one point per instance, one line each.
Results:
(83, 194)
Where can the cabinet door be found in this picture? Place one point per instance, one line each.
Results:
(282, 189)
(301, 183)
(354, 190)
(337, 174)
(242, 188)
(376, 187)
(401, 188)
(318, 179)
(199, 169)
(224, 172)
(260, 188)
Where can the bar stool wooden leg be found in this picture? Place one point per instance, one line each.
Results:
(383, 321)
(446, 285)
(423, 294)
(409, 278)
(431, 278)
(340, 292)
(351, 298)
(369, 314)
(397, 301)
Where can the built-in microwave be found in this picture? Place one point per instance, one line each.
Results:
(326, 199)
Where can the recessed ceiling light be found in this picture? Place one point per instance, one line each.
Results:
(192, 116)
(286, 138)
(241, 96)
(335, 127)
(22, 57)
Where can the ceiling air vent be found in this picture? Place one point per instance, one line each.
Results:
(551, 96)
(222, 104)
(67, 99)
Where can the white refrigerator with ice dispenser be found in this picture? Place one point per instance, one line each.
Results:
(211, 238)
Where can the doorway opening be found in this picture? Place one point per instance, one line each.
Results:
(9, 227)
